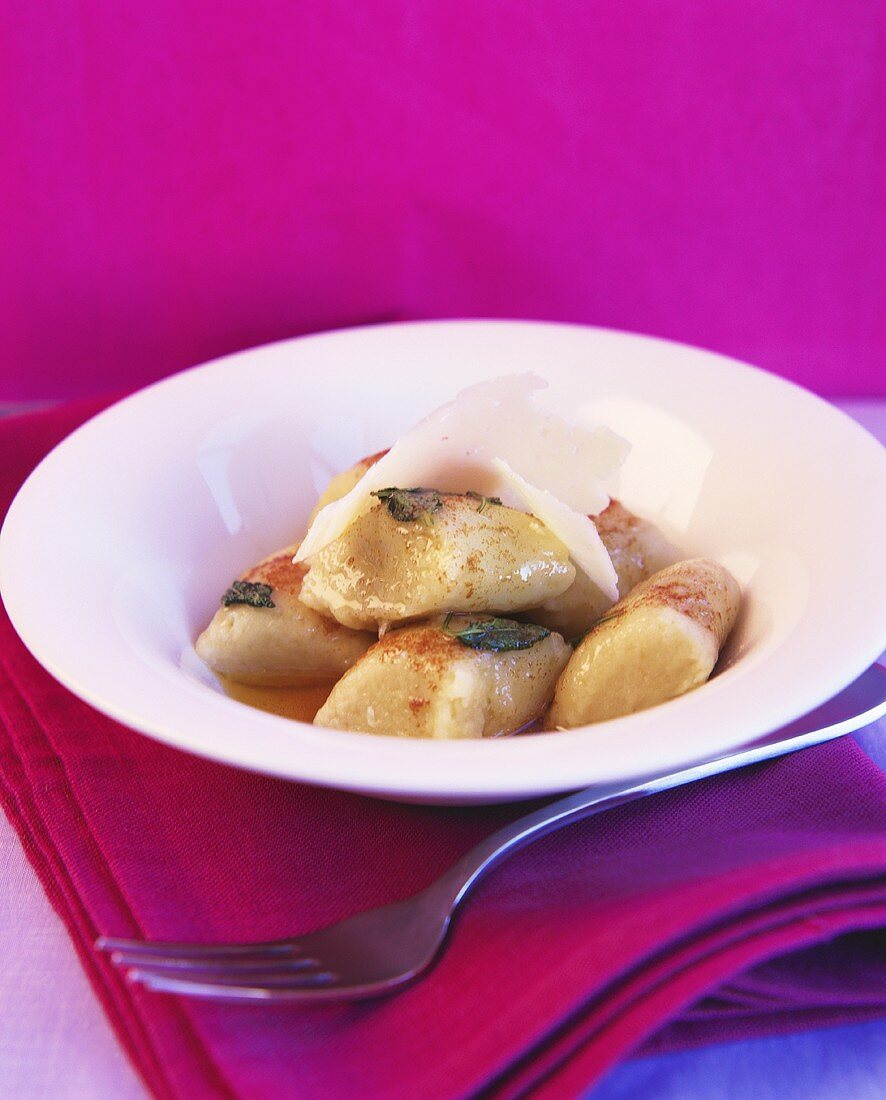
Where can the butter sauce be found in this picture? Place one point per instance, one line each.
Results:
(299, 703)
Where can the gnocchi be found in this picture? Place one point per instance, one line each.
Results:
(453, 677)
(264, 635)
(661, 640)
(441, 609)
(417, 552)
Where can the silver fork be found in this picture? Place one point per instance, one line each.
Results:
(380, 950)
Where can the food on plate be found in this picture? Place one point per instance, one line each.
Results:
(418, 552)
(661, 640)
(455, 676)
(637, 549)
(495, 440)
(264, 635)
(436, 583)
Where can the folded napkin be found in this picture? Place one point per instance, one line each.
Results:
(749, 903)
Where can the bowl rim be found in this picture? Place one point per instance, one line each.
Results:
(366, 762)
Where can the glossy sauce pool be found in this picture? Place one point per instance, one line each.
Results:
(300, 703)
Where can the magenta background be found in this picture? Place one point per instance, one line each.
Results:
(186, 178)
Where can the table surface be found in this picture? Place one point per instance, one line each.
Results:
(55, 1041)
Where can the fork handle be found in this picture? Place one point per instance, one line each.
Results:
(867, 692)
(464, 875)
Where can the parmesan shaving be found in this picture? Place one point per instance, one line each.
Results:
(576, 531)
(495, 440)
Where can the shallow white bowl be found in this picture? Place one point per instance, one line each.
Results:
(115, 551)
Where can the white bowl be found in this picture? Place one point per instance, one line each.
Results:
(115, 551)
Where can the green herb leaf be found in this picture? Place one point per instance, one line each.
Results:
(251, 593)
(408, 505)
(498, 635)
(483, 500)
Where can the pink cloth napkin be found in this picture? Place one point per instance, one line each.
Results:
(750, 903)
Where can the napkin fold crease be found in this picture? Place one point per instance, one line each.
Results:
(747, 904)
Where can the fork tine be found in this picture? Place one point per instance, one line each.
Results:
(244, 987)
(219, 963)
(157, 948)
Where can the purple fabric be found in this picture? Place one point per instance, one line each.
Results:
(752, 902)
(185, 178)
